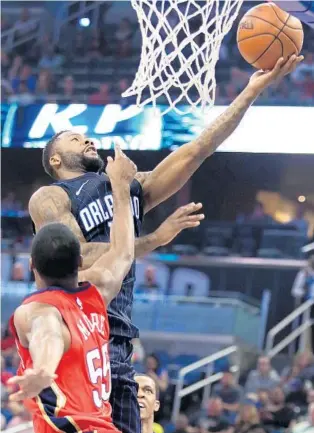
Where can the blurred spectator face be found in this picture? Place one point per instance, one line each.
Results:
(123, 85)
(277, 396)
(24, 15)
(249, 414)
(68, 85)
(151, 363)
(26, 72)
(263, 365)
(227, 379)
(17, 62)
(4, 59)
(310, 396)
(182, 422)
(18, 272)
(304, 359)
(215, 407)
(150, 274)
(43, 81)
(104, 89)
(147, 397)
(258, 210)
(263, 397)
(311, 414)
(309, 58)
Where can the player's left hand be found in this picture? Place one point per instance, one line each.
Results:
(31, 383)
(260, 80)
(182, 218)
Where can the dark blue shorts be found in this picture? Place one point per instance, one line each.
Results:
(123, 399)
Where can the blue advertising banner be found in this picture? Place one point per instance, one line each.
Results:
(263, 129)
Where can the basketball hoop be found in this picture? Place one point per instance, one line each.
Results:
(181, 43)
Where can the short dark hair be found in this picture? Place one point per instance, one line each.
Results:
(47, 152)
(56, 252)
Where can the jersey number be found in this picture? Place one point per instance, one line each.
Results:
(99, 372)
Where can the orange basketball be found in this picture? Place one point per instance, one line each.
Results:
(267, 33)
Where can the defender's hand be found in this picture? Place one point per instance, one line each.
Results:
(121, 168)
(181, 219)
(31, 383)
(260, 80)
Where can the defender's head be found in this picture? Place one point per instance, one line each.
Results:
(147, 396)
(55, 256)
(68, 151)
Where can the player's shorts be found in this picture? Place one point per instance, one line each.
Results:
(123, 399)
(84, 425)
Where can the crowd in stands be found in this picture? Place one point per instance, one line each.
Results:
(96, 66)
(264, 401)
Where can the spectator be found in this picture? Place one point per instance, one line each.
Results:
(156, 372)
(303, 285)
(230, 394)
(102, 97)
(182, 424)
(94, 53)
(79, 45)
(307, 86)
(23, 95)
(15, 69)
(150, 285)
(68, 89)
(5, 64)
(51, 59)
(306, 67)
(5, 373)
(248, 420)
(277, 414)
(44, 85)
(7, 342)
(264, 377)
(308, 425)
(212, 419)
(26, 77)
(25, 24)
(123, 37)
(299, 222)
(5, 25)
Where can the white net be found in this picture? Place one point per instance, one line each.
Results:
(180, 49)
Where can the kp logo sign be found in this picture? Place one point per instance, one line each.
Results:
(81, 118)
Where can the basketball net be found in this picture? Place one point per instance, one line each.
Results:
(181, 43)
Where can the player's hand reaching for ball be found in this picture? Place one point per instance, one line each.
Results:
(260, 80)
(183, 218)
(31, 383)
(121, 168)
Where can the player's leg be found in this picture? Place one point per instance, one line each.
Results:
(123, 399)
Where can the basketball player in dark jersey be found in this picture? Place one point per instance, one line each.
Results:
(82, 199)
(62, 329)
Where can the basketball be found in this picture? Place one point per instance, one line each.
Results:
(266, 33)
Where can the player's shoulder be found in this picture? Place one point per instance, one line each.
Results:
(45, 192)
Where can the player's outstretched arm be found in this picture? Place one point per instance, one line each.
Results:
(39, 328)
(174, 171)
(109, 270)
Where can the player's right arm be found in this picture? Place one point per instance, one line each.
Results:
(109, 270)
(40, 329)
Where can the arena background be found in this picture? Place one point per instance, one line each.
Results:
(64, 65)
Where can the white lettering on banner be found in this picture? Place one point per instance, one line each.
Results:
(58, 121)
(95, 213)
(113, 114)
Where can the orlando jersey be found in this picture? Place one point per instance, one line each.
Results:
(78, 400)
(92, 207)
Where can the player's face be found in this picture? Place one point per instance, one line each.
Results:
(75, 152)
(146, 397)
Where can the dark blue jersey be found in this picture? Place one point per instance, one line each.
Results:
(92, 207)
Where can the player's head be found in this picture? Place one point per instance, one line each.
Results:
(67, 152)
(55, 256)
(147, 396)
